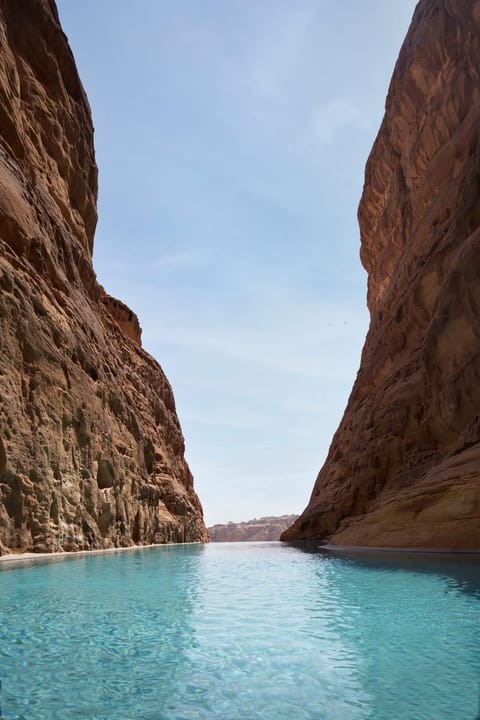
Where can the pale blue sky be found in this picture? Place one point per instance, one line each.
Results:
(231, 138)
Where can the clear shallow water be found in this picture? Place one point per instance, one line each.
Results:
(240, 632)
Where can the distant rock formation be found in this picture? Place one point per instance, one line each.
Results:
(404, 465)
(266, 528)
(91, 450)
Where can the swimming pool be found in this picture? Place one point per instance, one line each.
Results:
(240, 632)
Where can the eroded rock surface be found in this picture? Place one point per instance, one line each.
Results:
(404, 466)
(265, 528)
(91, 450)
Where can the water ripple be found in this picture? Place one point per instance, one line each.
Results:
(239, 632)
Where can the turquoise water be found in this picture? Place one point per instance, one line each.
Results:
(240, 632)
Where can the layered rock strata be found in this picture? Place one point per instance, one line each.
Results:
(91, 450)
(266, 528)
(404, 465)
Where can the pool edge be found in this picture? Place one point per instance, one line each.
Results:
(29, 556)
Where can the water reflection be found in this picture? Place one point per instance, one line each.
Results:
(413, 620)
(460, 570)
(258, 651)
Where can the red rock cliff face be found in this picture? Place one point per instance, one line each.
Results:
(91, 450)
(257, 530)
(404, 465)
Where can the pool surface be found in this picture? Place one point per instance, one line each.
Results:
(240, 632)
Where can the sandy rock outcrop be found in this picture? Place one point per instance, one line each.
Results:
(265, 528)
(123, 316)
(404, 465)
(91, 450)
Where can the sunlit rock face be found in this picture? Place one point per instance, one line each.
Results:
(258, 530)
(91, 450)
(404, 465)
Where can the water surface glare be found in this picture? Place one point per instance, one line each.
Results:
(240, 632)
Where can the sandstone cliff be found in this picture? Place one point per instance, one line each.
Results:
(265, 528)
(91, 450)
(404, 465)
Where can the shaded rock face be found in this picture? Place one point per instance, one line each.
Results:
(91, 450)
(266, 528)
(404, 466)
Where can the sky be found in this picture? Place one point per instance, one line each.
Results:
(231, 138)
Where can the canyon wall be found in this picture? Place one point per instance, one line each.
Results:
(262, 529)
(404, 466)
(91, 450)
